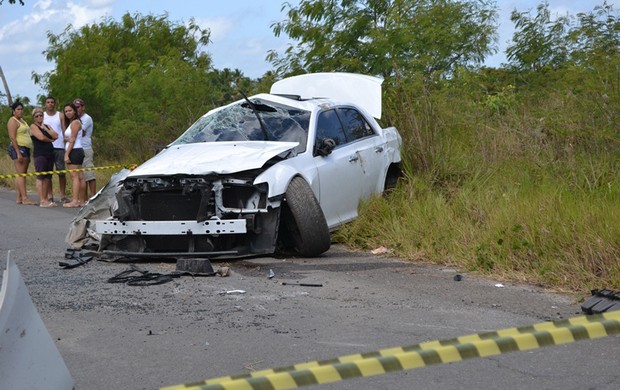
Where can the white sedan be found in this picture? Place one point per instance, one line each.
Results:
(270, 173)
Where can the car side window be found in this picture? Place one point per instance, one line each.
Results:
(355, 125)
(329, 126)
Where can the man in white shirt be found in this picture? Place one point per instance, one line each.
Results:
(87, 145)
(56, 120)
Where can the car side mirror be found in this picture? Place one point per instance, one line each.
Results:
(325, 146)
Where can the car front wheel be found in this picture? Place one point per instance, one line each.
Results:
(305, 226)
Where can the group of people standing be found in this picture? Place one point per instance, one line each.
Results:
(55, 140)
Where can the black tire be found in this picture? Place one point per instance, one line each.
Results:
(304, 221)
(394, 173)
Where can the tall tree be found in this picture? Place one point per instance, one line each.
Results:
(539, 40)
(385, 37)
(597, 35)
(144, 78)
(544, 40)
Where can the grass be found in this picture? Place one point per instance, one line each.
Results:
(529, 195)
(547, 235)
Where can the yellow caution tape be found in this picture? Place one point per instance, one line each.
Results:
(420, 355)
(131, 167)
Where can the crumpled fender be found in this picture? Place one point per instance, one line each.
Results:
(280, 175)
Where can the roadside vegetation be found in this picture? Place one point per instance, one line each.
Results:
(510, 172)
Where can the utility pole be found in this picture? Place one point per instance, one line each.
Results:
(6, 88)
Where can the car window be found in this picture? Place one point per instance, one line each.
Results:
(261, 121)
(328, 126)
(354, 123)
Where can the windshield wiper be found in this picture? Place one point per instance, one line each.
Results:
(255, 111)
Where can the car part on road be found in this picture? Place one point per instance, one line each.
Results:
(302, 284)
(78, 257)
(602, 301)
(148, 278)
(195, 266)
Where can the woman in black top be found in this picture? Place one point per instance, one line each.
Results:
(42, 137)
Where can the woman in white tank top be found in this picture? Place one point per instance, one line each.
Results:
(74, 156)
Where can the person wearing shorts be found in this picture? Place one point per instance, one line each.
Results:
(56, 120)
(74, 156)
(87, 145)
(19, 150)
(43, 154)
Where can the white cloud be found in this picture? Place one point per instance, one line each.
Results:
(220, 27)
(87, 13)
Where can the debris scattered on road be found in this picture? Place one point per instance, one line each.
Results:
(195, 266)
(380, 250)
(499, 285)
(223, 271)
(601, 301)
(302, 284)
(136, 276)
(78, 257)
(458, 277)
(271, 274)
(230, 292)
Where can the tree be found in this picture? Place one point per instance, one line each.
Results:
(143, 78)
(385, 37)
(597, 35)
(539, 41)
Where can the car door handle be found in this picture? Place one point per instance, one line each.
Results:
(379, 149)
(353, 158)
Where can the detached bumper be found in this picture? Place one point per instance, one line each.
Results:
(172, 228)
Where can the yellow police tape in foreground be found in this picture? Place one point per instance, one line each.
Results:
(131, 166)
(420, 355)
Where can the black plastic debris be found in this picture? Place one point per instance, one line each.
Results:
(302, 284)
(136, 276)
(78, 258)
(458, 277)
(195, 266)
(602, 301)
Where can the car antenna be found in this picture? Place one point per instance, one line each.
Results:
(255, 111)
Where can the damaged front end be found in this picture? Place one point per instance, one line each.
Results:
(207, 216)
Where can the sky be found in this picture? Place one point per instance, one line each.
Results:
(241, 33)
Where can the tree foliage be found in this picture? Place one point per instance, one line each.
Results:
(385, 37)
(597, 35)
(542, 40)
(143, 78)
(539, 40)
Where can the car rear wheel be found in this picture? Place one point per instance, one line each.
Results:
(304, 221)
(394, 173)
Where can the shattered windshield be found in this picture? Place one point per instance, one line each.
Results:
(242, 122)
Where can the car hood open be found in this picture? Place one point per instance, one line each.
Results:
(211, 157)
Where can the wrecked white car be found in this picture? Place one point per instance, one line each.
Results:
(271, 173)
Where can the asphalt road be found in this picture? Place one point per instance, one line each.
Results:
(115, 336)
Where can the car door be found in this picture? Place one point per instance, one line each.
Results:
(368, 148)
(339, 172)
